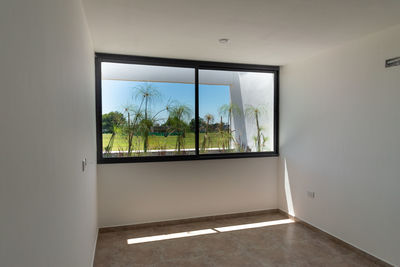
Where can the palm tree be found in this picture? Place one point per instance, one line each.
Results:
(209, 118)
(134, 116)
(230, 110)
(115, 128)
(178, 116)
(222, 139)
(255, 113)
(147, 94)
(144, 128)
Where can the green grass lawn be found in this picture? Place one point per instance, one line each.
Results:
(157, 142)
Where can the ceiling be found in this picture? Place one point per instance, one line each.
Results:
(273, 32)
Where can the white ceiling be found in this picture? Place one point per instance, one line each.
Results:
(260, 31)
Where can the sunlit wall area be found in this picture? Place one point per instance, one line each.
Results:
(340, 146)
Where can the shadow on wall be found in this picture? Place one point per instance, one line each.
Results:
(288, 199)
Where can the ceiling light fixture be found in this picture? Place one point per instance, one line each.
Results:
(223, 40)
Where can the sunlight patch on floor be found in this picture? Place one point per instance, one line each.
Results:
(252, 225)
(206, 231)
(169, 236)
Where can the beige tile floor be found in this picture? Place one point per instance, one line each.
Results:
(289, 244)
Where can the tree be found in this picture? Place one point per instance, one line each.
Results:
(145, 126)
(221, 131)
(111, 123)
(255, 113)
(147, 94)
(131, 126)
(111, 119)
(178, 116)
(192, 125)
(230, 110)
(209, 118)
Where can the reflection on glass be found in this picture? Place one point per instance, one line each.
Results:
(147, 110)
(236, 111)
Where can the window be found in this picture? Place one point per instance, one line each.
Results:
(154, 109)
(236, 111)
(147, 110)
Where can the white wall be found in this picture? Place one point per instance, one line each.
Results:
(147, 192)
(47, 204)
(340, 130)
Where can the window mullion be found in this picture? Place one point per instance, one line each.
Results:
(197, 121)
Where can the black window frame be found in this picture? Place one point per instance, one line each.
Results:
(196, 65)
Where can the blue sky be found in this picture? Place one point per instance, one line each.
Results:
(118, 94)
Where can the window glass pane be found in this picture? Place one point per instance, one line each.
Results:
(236, 111)
(147, 110)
